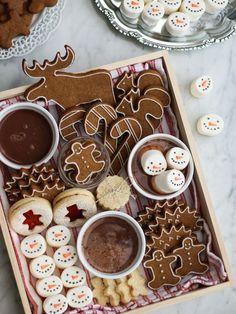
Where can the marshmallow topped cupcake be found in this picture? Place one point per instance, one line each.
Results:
(178, 24)
(193, 8)
(153, 12)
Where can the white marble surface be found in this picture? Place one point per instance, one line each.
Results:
(97, 43)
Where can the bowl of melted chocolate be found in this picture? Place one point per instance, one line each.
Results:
(111, 245)
(28, 135)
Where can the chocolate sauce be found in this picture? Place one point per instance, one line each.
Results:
(110, 245)
(25, 136)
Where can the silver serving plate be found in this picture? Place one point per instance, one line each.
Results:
(203, 33)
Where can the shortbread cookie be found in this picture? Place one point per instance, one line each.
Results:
(170, 6)
(65, 256)
(42, 266)
(215, 6)
(201, 86)
(113, 193)
(79, 297)
(56, 304)
(137, 283)
(124, 290)
(49, 286)
(178, 24)
(168, 182)
(98, 291)
(58, 236)
(110, 292)
(193, 8)
(73, 277)
(153, 162)
(33, 246)
(210, 125)
(132, 8)
(152, 13)
(177, 158)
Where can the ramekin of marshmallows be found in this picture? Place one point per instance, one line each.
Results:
(160, 167)
(179, 13)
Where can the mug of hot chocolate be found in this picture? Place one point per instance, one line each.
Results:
(111, 245)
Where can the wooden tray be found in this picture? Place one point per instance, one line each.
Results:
(206, 204)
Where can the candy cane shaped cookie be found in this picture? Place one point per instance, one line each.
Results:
(132, 130)
(101, 113)
(68, 121)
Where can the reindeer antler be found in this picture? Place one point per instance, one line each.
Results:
(59, 63)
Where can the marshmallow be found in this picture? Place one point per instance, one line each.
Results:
(49, 286)
(73, 277)
(65, 256)
(153, 162)
(177, 158)
(58, 236)
(170, 6)
(152, 13)
(42, 266)
(168, 182)
(215, 6)
(193, 8)
(132, 8)
(178, 24)
(56, 304)
(79, 297)
(33, 246)
(210, 125)
(201, 86)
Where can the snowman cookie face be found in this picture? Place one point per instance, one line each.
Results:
(132, 8)
(153, 12)
(153, 162)
(49, 286)
(201, 86)
(58, 236)
(42, 266)
(170, 6)
(177, 158)
(215, 6)
(79, 297)
(73, 277)
(210, 125)
(65, 256)
(176, 180)
(193, 8)
(33, 246)
(178, 24)
(56, 304)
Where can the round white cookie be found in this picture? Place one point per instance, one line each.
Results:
(65, 256)
(168, 182)
(42, 266)
(73, 277)
(153, 12)
(177, 158)
(201, 86)
(153, 162)
(79, 297)
(215, 6)
(33, 246)
(49, 286)
(58, 236)
(170, 6)
(56, 304)
(178, 24)
(132, 8)
(193, 8)
(210, 125)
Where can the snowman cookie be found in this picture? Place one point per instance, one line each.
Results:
(170, 6)
(49, 286)
(79, 297)
(177, 158)
(33, 246)
(153, 162)
(210, 125)
(30, 216)
(215, 6)
(201, 86)
(152, 13)
(42, 266)
(132, 8)
(168, 182)
(56, 304)
(58, 236)
(73, 277)
(65, 256)
(178, 24)
(193, 8)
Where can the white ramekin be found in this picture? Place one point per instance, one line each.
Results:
(176, 142)
(51, 121)
(141, 246)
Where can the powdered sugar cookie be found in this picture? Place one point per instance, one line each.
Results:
(33, 246)
(215, 6)
(170, 6)
(132, 8)
(56, 304)
(210, 125)
(153, 12)
(169, 181)
(178, 24)
(58, 236)
(193, 8)
(153, 162)
(177, 158)
(65, 256)
(42, 266)
(73, 277)
(49, 286)
(201, 86)
(79, 297)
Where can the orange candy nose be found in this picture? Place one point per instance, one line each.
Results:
(58, 235)
(134, 3)
(44, 266)
(178, 157)
(33, 245)
(194, 5)
(81, 295)
(177, 179)
(56, 305)
(155, 167)
(212, 124)
(155, 10)
(51, 286)
(204, 83)
(65, 255)
(178, 21)
(74, 277)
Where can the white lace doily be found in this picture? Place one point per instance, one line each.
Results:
(44, 24)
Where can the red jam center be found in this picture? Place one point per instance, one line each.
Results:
(32, 220)
(74, 213)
